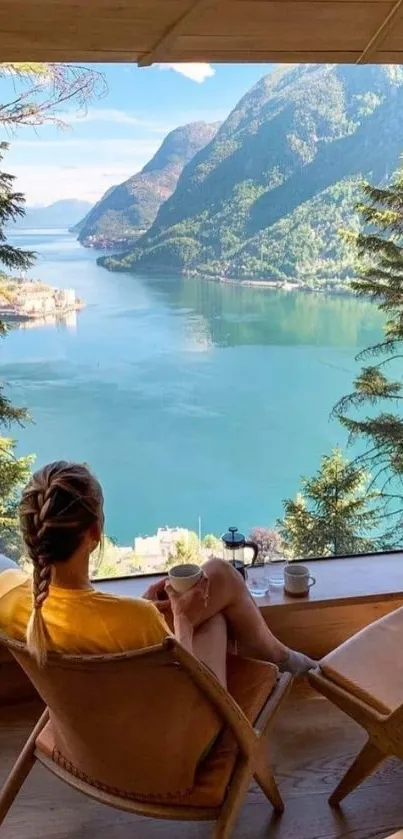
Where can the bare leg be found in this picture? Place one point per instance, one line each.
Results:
(210, 646)
(229, 596)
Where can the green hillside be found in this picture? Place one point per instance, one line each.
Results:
(268, 196)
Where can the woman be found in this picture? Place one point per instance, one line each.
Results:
(62, 519)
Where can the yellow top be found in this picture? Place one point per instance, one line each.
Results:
(80, 622)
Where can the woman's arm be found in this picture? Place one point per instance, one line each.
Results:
(183, 631)
(186, 610)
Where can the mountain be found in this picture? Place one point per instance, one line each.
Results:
(268, 196)
(65, 213)
(127, 210)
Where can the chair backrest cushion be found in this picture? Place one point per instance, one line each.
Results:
(370, 664)
(134, 721)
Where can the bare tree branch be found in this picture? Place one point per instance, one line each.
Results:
(48, 87)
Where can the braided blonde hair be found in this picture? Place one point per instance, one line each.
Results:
(58, 506)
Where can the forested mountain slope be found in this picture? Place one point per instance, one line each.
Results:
(267, 197)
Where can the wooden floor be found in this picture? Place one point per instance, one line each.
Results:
(312, 745)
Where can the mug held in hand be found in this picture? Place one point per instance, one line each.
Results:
(184, 577)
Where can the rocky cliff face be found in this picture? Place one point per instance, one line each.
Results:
(127, 210)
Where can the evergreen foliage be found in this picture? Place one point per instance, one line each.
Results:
(11, 208)
(372, 412)
(334, 514)
(39, 90)
(14, 473)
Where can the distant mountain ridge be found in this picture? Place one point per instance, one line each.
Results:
(64, 213)
(128, 209)
(268, 196)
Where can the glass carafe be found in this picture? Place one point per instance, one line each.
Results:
(234, 544)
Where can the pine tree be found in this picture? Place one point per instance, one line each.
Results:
(334, 514)
(378, 389)
(11, 208)
(40, 89)
(14, 473)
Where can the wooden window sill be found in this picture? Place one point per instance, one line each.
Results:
(350, 593)
(348, 580)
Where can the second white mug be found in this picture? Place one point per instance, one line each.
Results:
(298, 580)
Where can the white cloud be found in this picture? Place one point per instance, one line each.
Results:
(110, 115)
(118, 148)
(114, 116)
(48, 170)
(197, 71)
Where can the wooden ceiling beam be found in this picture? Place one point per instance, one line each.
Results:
(380, 35)
(159, 49)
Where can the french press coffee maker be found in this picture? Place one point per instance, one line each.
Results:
(234, 544)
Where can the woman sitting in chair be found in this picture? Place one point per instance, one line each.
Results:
(62, 519)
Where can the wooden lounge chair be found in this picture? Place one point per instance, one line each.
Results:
(129, 730)
(364, 677)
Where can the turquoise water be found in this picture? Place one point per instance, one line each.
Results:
(186, 397)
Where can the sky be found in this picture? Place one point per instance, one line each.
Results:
(121, 131)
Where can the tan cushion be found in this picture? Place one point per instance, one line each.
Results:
(370, 664)
(104, 710)
(250, 682)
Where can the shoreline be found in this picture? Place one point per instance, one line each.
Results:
(277, 285)
(288, 285)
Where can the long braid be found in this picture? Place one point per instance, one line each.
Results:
(59, 504)
(41, 497)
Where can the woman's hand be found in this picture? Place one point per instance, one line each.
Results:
(191, 604)
(158, 595)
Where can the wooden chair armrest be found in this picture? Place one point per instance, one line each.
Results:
(350, 704)
(219, 697)
(394, 728)
(267, 714)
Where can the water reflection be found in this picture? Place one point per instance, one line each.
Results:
(185, 396)
(66, 321)
(228, 316)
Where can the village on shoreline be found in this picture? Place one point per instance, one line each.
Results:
(24, 300)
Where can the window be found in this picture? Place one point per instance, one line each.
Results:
(188, 326)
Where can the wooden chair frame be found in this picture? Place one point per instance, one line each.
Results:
(385, 734)
(251, 759)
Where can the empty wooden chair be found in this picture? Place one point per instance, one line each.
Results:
(364, 677)
(129, 730)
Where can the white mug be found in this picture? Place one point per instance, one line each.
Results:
(297, 580)
(184, 577)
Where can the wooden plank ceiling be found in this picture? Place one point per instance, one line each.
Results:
(148, 31)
